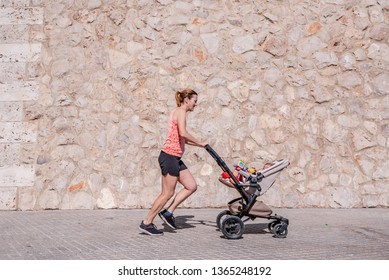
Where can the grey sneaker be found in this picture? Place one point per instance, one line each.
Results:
(150, 229)
(167, 218)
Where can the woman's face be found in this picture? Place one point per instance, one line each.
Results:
(191, 102)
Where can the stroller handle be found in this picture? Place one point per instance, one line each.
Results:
(225, 168)
(221, 163)
(213, 153)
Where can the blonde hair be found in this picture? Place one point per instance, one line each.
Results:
(181, 95)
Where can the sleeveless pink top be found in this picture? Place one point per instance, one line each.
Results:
(174, 144)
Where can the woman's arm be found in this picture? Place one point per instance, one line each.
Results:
(189, 139)
(194, 143)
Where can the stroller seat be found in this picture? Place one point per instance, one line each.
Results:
(269, 173)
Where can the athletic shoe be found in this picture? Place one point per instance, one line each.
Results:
(150, 229)
(167, 218)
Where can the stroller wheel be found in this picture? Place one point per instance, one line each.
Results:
(280, 230)
(271, 225)
(232, 227)
(220, 218)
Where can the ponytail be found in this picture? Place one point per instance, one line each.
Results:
(181, 95)
(179, 99)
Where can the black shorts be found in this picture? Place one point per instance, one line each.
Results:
(170, 164)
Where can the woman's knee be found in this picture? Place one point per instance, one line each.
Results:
(187, 180)
(168, 186)
(167, 194)
(192, 187)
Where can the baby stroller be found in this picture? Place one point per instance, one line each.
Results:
(250, 188)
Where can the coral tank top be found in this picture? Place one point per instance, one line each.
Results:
(174, 144)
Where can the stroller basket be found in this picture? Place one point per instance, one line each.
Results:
(259, 209)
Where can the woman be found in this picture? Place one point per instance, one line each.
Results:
(172, 167)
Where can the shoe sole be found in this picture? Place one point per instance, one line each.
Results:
(149, 233)
(164, 219)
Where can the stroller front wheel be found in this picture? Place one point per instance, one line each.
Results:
(271, 225)
(232, 227)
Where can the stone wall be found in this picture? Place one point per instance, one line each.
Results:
(86, 87)
(20, 48)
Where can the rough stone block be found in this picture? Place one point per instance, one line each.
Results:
(382, 171)
(20, 52)
(361, 139)
(17, 132)
(9, 154)
(12, 71)
(26, 198)
(11, 111)
(370, 201)
(17, 175)
(345, 198)
(14, 33)
(13, 3)
(78, 200)
(106, 199)
(243, 44)
(8, 198)
(49, 199)
(19, 91)
(21, 15)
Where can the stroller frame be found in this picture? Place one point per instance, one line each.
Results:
(230, 222)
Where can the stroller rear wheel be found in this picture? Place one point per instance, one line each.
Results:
(220, 218)
(232, 227)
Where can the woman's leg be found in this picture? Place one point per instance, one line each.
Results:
(169, 183)
(186, 179)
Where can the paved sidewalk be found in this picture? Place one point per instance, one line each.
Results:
(317, 234)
